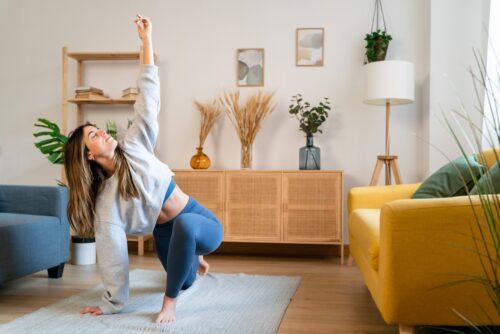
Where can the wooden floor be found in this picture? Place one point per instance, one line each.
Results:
(330, 299)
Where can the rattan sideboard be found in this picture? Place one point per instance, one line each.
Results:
(272, 206)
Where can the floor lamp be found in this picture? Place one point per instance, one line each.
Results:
(389, 82)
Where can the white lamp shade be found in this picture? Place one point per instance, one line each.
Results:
(389, 81)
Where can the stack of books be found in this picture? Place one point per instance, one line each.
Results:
(90, 93)
(130, 93)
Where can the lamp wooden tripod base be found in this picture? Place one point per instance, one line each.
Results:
(390, 161)
(391, 168)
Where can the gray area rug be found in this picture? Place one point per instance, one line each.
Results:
(216, 303)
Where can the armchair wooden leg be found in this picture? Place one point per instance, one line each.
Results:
(350, 260)
(405, 329)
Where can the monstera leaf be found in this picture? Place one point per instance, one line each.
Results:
(53, 145)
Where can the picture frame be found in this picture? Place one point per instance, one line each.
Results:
(250, 67)
(309, 47)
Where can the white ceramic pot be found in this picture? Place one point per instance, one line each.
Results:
(82, 251)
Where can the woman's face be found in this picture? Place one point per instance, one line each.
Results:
(98, 142)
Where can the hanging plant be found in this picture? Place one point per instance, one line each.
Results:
(377, 41)
(377, 44)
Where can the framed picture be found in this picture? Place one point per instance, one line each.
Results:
(309, 46)
(250, 67)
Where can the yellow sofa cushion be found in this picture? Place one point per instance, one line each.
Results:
(364, 226)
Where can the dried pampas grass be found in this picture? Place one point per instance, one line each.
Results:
(209, 112)
(247, 118)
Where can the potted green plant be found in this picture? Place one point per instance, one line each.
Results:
(310, 119)
(377, 43)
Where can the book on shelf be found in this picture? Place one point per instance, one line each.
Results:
(130, 96)
(91, 96)
(130, 90)
(88, 89)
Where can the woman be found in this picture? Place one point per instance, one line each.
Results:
(122, 188)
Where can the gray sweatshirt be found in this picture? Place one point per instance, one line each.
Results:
(115, 217)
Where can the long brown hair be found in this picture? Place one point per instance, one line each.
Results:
(86, 178)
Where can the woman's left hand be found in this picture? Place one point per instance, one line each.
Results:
(93, 310)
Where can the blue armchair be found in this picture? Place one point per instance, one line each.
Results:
(34, 230)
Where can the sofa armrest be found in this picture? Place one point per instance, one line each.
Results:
(426, 247)
(375, 197)
(35, 200)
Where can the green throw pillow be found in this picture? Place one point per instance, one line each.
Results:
(447, 182)
(493, 176)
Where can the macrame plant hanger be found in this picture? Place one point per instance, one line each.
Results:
(378, 9)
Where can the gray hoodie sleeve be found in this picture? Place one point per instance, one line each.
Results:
(112, 257)
(144, 128)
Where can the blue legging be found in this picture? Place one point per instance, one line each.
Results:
(195, 231)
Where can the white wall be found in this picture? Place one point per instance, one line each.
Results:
(456, 28)
(196, 42)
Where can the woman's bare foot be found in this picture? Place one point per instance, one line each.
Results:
(203, 266)
(167, 313)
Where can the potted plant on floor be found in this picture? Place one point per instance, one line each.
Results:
(310, 119)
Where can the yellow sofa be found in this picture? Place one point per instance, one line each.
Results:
(410, 250)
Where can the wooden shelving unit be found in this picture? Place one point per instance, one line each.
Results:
(81, 58)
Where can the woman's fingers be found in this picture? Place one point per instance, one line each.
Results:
(97, 312)
(145, 21)
(93, 310)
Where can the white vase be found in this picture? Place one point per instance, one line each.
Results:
(83, 251)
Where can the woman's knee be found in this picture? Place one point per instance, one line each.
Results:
(184, 227)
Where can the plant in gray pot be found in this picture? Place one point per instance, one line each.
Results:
(310, 119)
(83, 250)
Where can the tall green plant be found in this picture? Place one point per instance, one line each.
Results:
(487, 215)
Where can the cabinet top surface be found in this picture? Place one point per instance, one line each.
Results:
(258, 170)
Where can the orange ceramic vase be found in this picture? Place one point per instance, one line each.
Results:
(200, 160)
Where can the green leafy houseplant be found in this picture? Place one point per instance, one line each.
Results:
(310, 118)
(377, 43)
